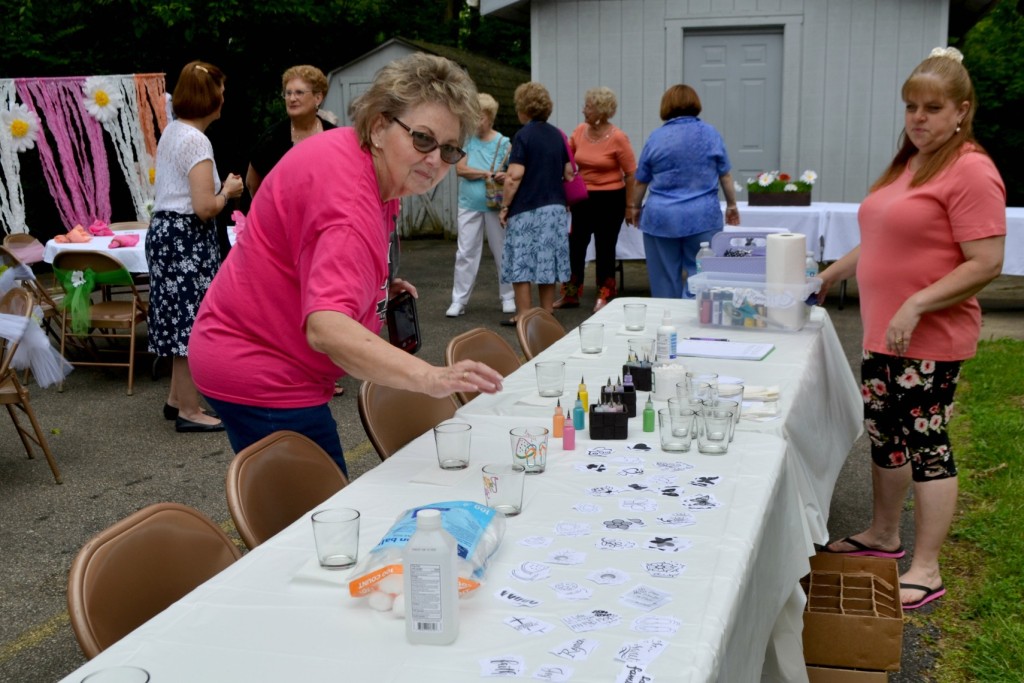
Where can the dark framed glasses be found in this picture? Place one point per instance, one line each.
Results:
(426, 143)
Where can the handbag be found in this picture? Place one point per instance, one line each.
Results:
(575, 189)
(494, 189)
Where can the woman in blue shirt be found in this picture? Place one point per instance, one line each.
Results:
(683, 164)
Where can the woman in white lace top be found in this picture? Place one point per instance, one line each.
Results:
(181, 244)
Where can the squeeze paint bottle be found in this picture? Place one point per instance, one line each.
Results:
(578, 414)
(431, 582)
(584, 396)
(666, 340)
(649, 415)
(558, 421)
(568, 435)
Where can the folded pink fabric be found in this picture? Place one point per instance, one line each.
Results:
(239, 218)
(124, 241)
(76, 235)
(100, 229)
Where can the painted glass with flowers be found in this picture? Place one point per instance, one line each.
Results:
(774, 188)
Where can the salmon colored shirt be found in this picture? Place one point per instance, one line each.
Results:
(910, 238)
(605, 163)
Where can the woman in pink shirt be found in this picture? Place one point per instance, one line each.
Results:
(932, 233)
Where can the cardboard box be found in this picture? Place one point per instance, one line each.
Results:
(816, 674)
(853, 618)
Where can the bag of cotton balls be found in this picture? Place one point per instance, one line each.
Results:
(477, 529)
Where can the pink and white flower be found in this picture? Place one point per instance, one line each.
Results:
(921, 425)
(909, 378)
(927, 367)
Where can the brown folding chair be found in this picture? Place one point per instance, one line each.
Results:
(394, 417)
(485, 346)
(129, 225)
(276, 480)
(43, 297)
(25, 247)
(13, 393)
(138, 567)
(537, 330)
(110, 320)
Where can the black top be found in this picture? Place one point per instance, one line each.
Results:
(274, 144)
(540, 148)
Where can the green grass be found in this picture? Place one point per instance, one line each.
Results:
(982, 621)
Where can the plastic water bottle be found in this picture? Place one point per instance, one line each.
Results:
(429, 571)
(705, 250)
(811, 265)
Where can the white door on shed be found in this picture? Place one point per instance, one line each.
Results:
(738, 76)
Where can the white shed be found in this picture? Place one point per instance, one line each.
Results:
(433, 213)
(790, 84)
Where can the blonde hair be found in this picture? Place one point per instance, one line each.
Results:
(488, 105)
(411, 81)
(941, 74)
(533, 100)
(603, 101)
(308, 74)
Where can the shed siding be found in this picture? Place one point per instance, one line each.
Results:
(843, 66)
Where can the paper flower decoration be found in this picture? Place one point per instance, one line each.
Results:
(102, 98)
(790, 187)
(21, 126)
(808, 177)
(77, 278)
(774, 181)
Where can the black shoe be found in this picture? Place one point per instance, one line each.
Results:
(171, 413)
(183, 425)
(509, 322)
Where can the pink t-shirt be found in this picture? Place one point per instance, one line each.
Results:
(910, 238)
(316, 239)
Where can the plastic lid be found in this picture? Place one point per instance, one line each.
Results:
(705, 244)
(666, 317)
(428, 519)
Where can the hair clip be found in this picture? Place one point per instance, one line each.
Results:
(202, 68)
(949, 52)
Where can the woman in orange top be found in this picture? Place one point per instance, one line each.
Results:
(606, 161)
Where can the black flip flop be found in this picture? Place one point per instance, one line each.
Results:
(861, 550)
(511, 322)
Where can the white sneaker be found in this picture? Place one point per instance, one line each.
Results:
(455, 310)
(508, 306)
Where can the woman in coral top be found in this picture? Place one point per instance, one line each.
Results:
(606, 161)
(932, 233)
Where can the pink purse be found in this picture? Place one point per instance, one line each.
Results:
(575, 189)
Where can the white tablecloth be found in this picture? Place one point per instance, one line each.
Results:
(273, 616)
(133, 258)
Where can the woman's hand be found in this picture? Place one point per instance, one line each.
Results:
(633, 215)
(732, 215)
(901, 327)
(233, 186)
(398, 285)
(503, 216)
(466, 375)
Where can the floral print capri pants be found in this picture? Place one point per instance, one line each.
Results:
(907, 407)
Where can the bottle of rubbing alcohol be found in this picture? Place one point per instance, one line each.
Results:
(429, 571)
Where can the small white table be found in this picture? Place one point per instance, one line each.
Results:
(133, 258)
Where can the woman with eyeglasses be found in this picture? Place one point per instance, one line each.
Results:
(300, 300)
(303, 88)
(533, 206)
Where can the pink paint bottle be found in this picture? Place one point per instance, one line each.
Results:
(568, 435)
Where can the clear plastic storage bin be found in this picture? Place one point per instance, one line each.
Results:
(738, 300)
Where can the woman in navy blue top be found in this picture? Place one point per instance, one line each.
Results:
(533, 207)
(683, 164)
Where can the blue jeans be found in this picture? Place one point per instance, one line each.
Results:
(668, 257)
(245, 425)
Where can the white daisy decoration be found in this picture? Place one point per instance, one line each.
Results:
(790, 187)
(77, 278)
(809, 177)
(102, 98)
(20, 126)
(765, 179)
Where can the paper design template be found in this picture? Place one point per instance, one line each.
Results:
(654, 623)
(702, 501)
(577, 649)
(637, 486)
(638, 505)
(566, 556)
(641, 446)
(626, 460)
(642, 651)
(660, 480)
(604, 491)
(528, 625)
(705, 482)
(608, 543)
(668, 544)
(634, 471)
(565, 528)
(624, 524)
(531, 571)
(664, 569)
(610, 576)
(570, 590)
(674, 466)
(596, 467)
(682, 518)
(536, 541)
(505, 666)
(513, 597)
(553, 672)
(633, 673)
(587, 508)
(599, 451)
(645, 598)
(591, 621)
(672, 491)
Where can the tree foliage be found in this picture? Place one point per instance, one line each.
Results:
(994, 53)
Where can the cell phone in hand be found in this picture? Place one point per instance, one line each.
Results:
(403, 323)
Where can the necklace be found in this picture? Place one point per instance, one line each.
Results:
(594, 136)
(299, 135)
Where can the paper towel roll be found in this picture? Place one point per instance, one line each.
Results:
(785, 258)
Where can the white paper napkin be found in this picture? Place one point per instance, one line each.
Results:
(761, 393)
(312, 574)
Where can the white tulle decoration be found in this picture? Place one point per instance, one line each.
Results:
(126, 132)
(12, 198)
(34, 349)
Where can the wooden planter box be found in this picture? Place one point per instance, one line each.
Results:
(779, 198)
